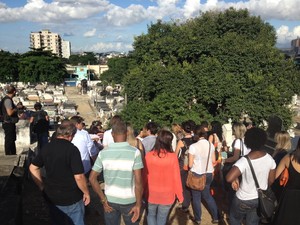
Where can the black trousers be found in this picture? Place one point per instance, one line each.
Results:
(10, 138)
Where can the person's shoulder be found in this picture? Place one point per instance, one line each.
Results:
(7, 100)
(172, 155)
(85, 132)
(107, 131)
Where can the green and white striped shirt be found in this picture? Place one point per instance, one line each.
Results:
(118, 161)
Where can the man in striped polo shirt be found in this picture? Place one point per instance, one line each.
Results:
(121, 165)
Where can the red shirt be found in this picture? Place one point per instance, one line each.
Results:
(162, 181)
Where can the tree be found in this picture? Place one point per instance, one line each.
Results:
(88, 58)
(118, 67)
(8, 67)
(222, 63)
(40, 66)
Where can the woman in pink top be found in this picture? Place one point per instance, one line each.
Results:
(162, 179)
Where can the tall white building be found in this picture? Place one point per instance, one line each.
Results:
(50, 41)
(65, 49)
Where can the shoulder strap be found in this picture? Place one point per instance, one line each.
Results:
(252, 171)
(290, 160)
(242, 147)
(183, 141)
(207, 158)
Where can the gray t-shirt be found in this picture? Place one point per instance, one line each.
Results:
(148, 142)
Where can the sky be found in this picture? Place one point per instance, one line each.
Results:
(111, 25)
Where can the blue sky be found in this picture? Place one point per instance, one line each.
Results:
(103, 25)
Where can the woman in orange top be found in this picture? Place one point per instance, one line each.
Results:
(162, 179)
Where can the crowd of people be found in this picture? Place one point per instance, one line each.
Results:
(149, 170)
(146, 170)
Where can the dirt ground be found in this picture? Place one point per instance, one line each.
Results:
(35, 210)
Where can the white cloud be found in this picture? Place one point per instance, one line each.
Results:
(103, 16)
(120, 17)
(190, 7)
(285, 35)
(90, 33)
(110, 46)
(58, 11)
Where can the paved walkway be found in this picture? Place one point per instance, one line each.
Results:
(83, 104)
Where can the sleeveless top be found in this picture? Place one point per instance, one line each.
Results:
(294, 178)
(187, 142)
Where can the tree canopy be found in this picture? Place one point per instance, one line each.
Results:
(8, 67)
(88, 58)
(34, 66)
(41, 66)
(219, 65)
(118, 68)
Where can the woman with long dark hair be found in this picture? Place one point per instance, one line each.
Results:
(182, 152)
(162, 179)
(201, 154)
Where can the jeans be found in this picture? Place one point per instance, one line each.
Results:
(10, 138)
(206, 195)
(157, 214)
(67, 215)
(187, 196)
(114, 217)
(241, 209)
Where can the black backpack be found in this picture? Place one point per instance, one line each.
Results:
(40, 124)
(1, 110)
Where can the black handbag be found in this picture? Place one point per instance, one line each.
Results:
(267, 202)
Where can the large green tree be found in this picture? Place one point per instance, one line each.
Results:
(9, 67)
(219, 65)
(41, 66)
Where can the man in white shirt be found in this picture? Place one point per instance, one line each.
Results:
(84, 143)
(107, 137)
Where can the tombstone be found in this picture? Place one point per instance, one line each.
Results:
(274, 125)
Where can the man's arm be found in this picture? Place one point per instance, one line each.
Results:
(36, 176)
(81, 183)
(138, 195)
(9, 108)
(97, 189)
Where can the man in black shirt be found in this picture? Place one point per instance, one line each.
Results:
(10, 118)
(65, 187)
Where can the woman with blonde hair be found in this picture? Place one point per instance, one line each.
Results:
(178, 131)
(133, 140)
(239, 150)
(283, 145)
(238, 145)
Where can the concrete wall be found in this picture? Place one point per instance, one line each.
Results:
(23, 136)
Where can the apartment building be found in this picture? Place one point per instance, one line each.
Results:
(65, 49)
(50, 41)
